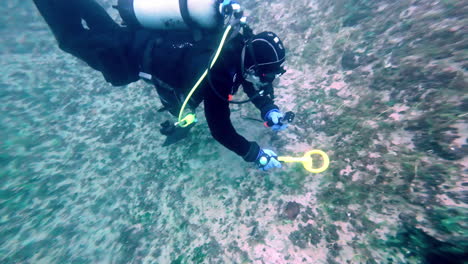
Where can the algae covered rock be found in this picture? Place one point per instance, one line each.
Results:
(292, 210)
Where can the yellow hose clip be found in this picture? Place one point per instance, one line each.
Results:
(307, 160)
(191, 119)
(187, 120)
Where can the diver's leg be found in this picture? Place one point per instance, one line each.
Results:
(95, 16)
(64, 18)
(104, 46)
(64, 21)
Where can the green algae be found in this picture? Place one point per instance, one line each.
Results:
(305, 236)
(293, 179)
(311, 50)
(419, 244)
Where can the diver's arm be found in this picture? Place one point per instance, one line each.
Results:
(263, 103)
(217, 114)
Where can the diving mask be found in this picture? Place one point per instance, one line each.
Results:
(255, 81)
(263, 79)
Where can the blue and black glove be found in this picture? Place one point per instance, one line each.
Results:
(267, 159)
(273, 119)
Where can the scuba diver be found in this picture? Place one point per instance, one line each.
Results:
(151, 46)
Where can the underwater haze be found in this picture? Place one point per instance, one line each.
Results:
(381, 86)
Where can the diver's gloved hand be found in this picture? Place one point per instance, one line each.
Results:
(267, 159)
(273, 118)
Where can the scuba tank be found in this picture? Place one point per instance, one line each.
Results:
(172, 14)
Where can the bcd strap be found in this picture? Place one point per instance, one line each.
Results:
(193, 26)
(186, 15)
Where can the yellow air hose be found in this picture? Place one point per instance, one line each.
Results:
(190, 118)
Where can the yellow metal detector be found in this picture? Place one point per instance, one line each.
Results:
(307, 160)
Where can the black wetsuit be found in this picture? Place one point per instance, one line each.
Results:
(120, 54)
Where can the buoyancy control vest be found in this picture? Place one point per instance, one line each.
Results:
(204, 18)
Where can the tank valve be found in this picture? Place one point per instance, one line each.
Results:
(228, 7)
